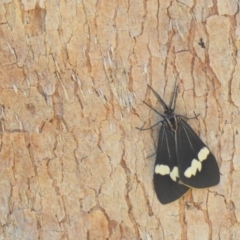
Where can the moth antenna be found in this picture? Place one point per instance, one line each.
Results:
(154, 109)
(159, 98)
(174, 97)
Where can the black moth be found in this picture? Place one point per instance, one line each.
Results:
(183, 160)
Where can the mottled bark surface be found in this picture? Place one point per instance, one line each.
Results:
(73, 75)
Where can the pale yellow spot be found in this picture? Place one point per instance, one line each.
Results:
(191, 171)
(188, 172)
(202, 155)
(162, 169)
(174, 174)
(196, 165)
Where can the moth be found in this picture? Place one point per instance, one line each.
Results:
(183, 161)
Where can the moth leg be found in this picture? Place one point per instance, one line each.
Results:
(149, 127)
(196, 116)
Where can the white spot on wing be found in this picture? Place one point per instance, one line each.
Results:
(188, 172)
(197, 165)
(203, 153)
(174, 174)
(191, 171)
(162, 169)
(165, 170)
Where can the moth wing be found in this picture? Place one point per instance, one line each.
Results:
(166, 180)
(197, 165)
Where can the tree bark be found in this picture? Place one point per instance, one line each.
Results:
(73, 75)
